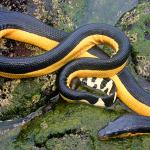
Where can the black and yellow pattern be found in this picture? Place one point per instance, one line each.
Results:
(78, 53)
(62, 48)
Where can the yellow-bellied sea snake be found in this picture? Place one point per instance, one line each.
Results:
(63, 48)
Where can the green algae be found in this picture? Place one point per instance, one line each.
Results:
(136, 25)
(27, 96)
(66, 14)
(66, 120)
(70, 141)
(71, 126)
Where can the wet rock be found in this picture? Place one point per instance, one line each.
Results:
(69, 125)
(20, 97)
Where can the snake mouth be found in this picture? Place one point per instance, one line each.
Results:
(104, 135)
(125, 126)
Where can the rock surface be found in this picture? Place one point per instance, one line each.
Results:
(136, 25)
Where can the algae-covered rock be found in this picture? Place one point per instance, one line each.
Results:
(69, 125)
(136, 25)
(73, 126)
(21, 97)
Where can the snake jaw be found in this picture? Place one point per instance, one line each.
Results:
(100, 103)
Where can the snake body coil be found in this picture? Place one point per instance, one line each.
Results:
(17, 26)
(62, 48)
(127, 125)
(71, 46)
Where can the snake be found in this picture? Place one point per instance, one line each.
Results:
(62, 47)
(128, 89)
(126, 126)
(73, 54)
